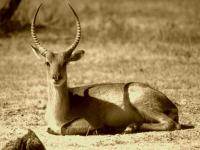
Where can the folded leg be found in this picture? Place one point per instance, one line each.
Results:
(77, 127)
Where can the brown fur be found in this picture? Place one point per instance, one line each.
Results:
(105, 108)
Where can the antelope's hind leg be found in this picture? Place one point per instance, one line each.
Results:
(157, 121)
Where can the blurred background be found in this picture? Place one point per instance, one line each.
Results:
(122, 21)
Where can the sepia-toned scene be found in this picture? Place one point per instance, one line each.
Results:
(99, 74)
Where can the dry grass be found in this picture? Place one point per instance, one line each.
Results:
(154, 41)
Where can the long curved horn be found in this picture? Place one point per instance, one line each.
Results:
(78, 32)
(34, 36)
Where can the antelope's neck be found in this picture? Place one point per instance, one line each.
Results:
(58, 104)
(58, 94)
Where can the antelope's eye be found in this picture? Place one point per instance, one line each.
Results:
(47, 63)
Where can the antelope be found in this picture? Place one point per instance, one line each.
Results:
(99, 108)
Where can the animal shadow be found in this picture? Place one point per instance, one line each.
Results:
(186, 126)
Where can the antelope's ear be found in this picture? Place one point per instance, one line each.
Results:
(36, 51)
(77, 55)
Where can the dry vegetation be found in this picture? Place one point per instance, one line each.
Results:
(152, 41)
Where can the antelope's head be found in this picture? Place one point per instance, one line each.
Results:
(56, 62)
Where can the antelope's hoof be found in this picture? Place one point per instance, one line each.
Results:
(50, 131)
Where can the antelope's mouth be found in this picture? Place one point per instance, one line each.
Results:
(58, 83)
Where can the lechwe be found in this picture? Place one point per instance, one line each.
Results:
(105, 108)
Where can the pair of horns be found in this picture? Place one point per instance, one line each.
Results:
(71, 48)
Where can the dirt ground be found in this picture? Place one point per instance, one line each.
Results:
(155, 43)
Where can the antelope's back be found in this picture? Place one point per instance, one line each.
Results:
(109, 92)
(139, 95)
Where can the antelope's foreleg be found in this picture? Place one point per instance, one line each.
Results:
(77, 127)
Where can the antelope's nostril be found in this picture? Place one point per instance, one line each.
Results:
(57, 77)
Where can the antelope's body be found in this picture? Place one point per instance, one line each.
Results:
(105, 108)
